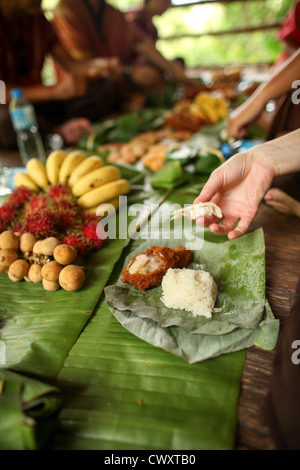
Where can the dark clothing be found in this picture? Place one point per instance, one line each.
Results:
(23, 49)
(286, 119)
(139, 20)
(107, 35)
(282, 408)
(287, 115)
(94, 105)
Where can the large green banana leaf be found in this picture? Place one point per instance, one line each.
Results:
(118, 391)
(123, 393)
(238, 267)
(38, 327)
(23, 401)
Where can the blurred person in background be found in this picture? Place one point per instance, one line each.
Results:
(289, 33)
(67, 107)
(94, 29)
(142, 17)
(283, 85)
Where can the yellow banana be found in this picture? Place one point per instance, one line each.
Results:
(210, 112)
(72, 160)
(37, 172)
(53, 165)
(204, 97)
(86, 166)
(104, 209)
(23, 179)
(104, 193)
(96, 178)
(222, 109)
(196, 111)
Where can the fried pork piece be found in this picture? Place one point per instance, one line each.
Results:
(147, 269)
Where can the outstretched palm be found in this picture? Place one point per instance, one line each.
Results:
(237, 187)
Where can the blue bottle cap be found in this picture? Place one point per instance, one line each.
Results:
(16, 93)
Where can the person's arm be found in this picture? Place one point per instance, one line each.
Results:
(239, 185)
(86, 67)
(67, 87)
(279, 83)
(147, 48)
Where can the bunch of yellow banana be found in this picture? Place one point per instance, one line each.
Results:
(90, 180)
(209, 107)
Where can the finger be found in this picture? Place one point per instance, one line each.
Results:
(241, 228)
(225, 227)
(207, 221)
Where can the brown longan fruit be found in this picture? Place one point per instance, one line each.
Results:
(51, 270)
(71, 277)
(51, 286)
(9, 241)
(7, 257)
(27, 242)
(48, 245)
(65, 254)
(18, 270)
(35, 273)
(37, 248)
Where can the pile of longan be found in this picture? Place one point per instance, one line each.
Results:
(48, 261)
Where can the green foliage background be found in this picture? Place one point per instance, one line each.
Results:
(246, 48)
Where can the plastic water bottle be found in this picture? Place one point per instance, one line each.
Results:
(25, 124)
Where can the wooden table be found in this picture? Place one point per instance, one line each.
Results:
(282, 236)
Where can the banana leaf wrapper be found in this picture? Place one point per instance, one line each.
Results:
(238, 268)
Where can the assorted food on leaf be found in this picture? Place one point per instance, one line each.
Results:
(147, 269)
(150, 147)
(186, 289)
(192, 290)
(204, 109)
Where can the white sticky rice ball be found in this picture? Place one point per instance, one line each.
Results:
(187, 289)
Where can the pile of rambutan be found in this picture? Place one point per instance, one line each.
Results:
(53, 213)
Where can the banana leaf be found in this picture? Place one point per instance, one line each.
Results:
(24, 402)
(170, 176)
(239, 272)
(207, 163)
(238, 268)
(38, 328)
(183, 155)
(121, 393)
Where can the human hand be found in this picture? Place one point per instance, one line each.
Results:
(68, 87)
(145, 76)
(237, 187)
(242, 116)
(106, 67)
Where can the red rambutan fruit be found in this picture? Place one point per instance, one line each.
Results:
(41, 222)
(6, 216)
(77, 242)
(90, 233)
(19, 196)
(59, 190)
